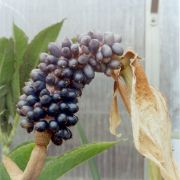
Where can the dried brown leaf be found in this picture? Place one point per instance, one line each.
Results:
(151, 124)
(114, 118)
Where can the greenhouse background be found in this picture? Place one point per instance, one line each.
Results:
(152, 33)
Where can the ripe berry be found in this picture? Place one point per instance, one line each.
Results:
(67, 72)
(85, 40)
(38, 86)
(62, 84)
(106, 51)
(31, 100)
(94, 45)
(53, 109)
(24, 110)
(43, 67)
(50, 79)
(83, 59)
(92, 62)
(114, 64)
(62, 63)
(28, 90)
(30, 116)
(99, 56)
(66, 43)
(66, 52)
(52, 60)
(72, 63)
(43, 57)
(56, 139)
(51, 67)
(41, 126)
(53, 49)
(71, 94)
(44, 92)
(78, 76)
(89, 71)
(85, 49)
(63, 106)
(53, 126)
(26, 124)
(75, 49)
(45, 100)
(65, 133)
(64, 92)
(38, 113)
(61, 119)
(71, 120)
(56, 97)
(72, 107)
(117, 49)
(37, 74)
(21, 103)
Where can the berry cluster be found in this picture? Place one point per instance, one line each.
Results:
(50, 97)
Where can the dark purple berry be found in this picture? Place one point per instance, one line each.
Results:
(28, 90)
(39, 86)
(62, 63)
(72, 63)
(38, 113)
(83, 59)
(52, 59)
(51, 67)
(94, 45)
(30, 116)
(85, 40)
(62, 84)
(21, 103)
(56, 97)
(61, 119)
(31, 100)
(53, 126)
(37, 74)
(72, 107)
(67, 72)
(65, 133)
(78, 76)
(92, 62)
(106, 51)
(50, 79)
(89, 71)
(44, 92)
(75, 49)
(71, 120)
(114, 64)
(117, 49)
(53, 109)
(24, 110)
(43, 57)
(66, 43)
(56, 140)
(99, 56)
(53, 49)
(41, 126)
(66, 52)
(63, 106)
(45, 100)
(26, 124)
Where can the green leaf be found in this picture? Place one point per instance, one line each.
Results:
(20, 155)
(3, 90)
(92, 162)
(20, 45)
(62, 164)
(37, 45)
(6, 60)
(3, 173)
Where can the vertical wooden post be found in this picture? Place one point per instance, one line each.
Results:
(152, 65)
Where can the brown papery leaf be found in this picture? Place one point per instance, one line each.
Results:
(114, 118)
(151, 124)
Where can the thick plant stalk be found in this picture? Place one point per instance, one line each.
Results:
(35, 163)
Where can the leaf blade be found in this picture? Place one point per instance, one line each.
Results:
(62, 164)
(92, 162)
(37, 45)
